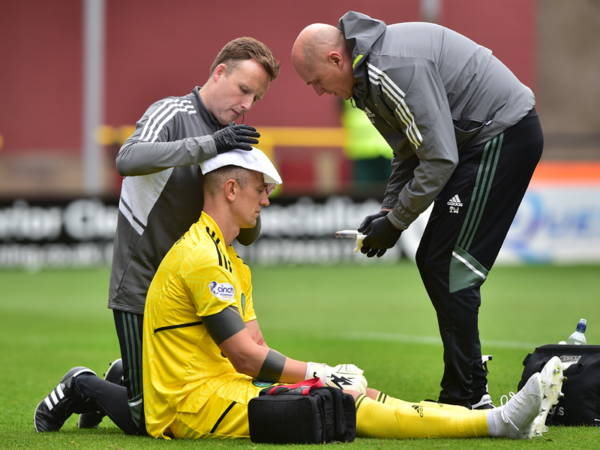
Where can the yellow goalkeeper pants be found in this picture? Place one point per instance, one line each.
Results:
(225, 415)
(417, 420)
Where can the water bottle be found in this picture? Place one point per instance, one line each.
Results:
(578, 336)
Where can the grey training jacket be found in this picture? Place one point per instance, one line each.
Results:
(417, 82)
(161, 195)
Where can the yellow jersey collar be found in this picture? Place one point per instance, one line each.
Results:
(209, 222)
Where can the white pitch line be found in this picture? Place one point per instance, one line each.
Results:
(429, 340)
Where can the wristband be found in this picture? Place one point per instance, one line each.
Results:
(272, 367)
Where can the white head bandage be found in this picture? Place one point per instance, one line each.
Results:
(254, 159)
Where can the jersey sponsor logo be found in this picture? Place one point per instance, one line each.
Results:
(223, 291)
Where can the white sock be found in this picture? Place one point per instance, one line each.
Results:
(496, 424)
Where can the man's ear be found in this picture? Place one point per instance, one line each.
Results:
(336, 58)
(230, 188)
(219, 71)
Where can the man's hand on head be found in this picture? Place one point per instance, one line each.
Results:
(232, 137)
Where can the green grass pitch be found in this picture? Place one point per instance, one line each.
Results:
(377, 316)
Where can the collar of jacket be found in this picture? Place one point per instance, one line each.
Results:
(206, 115)
(361, 32)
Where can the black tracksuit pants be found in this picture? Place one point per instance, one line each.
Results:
(107, 397)
(468, 224)
(129, 331)
(123, 404)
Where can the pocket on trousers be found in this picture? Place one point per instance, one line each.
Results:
(465, 271)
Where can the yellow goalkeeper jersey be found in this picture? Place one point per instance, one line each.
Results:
(200, 276)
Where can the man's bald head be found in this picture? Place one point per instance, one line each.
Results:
(314, 42)
(322, 60)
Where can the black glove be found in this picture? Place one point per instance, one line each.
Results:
(235, 137)
(364, 226)
(381, 235)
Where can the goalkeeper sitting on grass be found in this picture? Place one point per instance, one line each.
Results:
(203, 347)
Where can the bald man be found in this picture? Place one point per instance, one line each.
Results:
(465, 137)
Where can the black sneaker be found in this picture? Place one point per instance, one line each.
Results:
(52, 412)
(114, 374)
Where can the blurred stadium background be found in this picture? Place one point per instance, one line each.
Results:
(76, 75)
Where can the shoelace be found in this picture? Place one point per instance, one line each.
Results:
(507, 420)
(505, 398)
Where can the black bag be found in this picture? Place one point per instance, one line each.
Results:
(581, 402)
(317, 415)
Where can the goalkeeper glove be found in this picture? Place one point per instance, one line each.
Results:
(343, 376)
